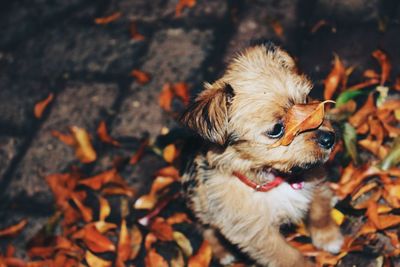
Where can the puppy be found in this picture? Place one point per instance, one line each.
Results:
(241, 183)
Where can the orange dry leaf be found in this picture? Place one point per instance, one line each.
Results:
(105, 208)
(384, 61)
(153, 259)
(67, 139)
(77, 198)
(166, 96)
(108, 19)
(135, 35)
(139, 152)
(14, 229)
(140, 76)
(94, 261)
(277, 27)
(84, 150)
(161, 229)
(397, 83)
(169, 171)
(104, 136)
(136, 241)
(362, 114)
(103, 227)
(300, 118)
(372, 214)
(148, 201)
(374, 147)
(331, 82)
(98, 181)
(178, 218)
(202, 257)
(181, 90)
(94, 240)
(170, 153)
(124, 245)
(183, 4)
(366, 188)
(41, 106)
(391, 194)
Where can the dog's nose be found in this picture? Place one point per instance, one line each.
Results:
(325, 139)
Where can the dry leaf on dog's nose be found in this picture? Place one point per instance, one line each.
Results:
(300, 118)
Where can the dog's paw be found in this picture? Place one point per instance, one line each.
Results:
(328, 238)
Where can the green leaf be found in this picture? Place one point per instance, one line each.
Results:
(350, 141)
(344, 97)
(393, 158)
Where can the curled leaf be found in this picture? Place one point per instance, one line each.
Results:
(332, 82)
(83, 147)
(104, 136)
(14, 229)
(41, 106)
(384, 61)
(108, 19)
(141, 77)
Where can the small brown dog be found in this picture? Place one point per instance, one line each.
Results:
(241, 184)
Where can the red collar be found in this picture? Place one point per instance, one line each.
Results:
(267, 186)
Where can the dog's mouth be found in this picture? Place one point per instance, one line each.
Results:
(295, 174)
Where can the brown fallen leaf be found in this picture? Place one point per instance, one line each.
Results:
(141, 77)
(94, 240)
(170, 153)
(181, 90)
(139, 152)
(183, 4)
(333, 79)
(135, 35)
(13, 230)
(104, 136)
(105, 208)
(277, 27)
(183, 243)
(86, 212)
(161, 229)
(124, 245)
(94, 261)
(136, 241)
(166, 96)
(300, 118)
(148, 201)
(397, 83)
(202, 257)
(362, 114)
(41, 106)
(386, 66)
(108, 19)
(98, 181)
(153, 259)
(67, 139)
(84, 150)
(372, 214)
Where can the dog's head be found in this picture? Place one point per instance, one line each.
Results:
(245, 111)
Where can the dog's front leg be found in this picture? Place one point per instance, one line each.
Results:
(325, 233)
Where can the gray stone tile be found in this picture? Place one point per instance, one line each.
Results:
(80, 105)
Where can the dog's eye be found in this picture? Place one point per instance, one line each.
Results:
(277, 131)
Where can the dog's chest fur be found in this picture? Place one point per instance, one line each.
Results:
(222, 199)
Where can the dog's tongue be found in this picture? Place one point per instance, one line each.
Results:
(297, 186)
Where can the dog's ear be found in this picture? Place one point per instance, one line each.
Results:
(208, 115)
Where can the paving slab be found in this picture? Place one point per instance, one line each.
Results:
(79, 104)
(21, 18)
(9, 146)
(265, 20)
(347, 12)
(203, 12)
(174, 55)
(18, 98)
(104, 49)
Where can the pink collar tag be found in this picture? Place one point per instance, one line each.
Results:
(297, 186)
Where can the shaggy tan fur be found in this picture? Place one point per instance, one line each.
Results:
(234, 114)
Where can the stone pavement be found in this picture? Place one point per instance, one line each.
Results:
(55, 47)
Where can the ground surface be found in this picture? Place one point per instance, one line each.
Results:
(56, 47)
